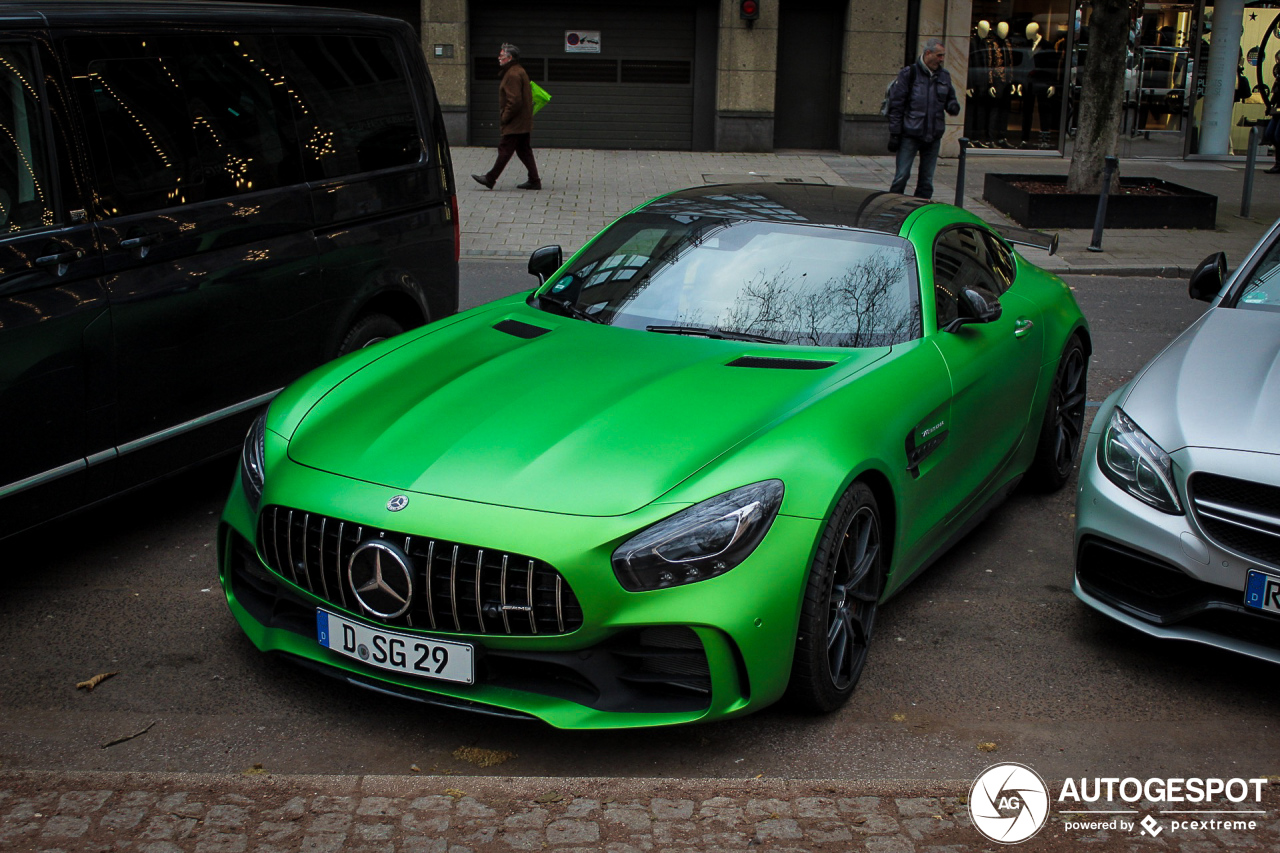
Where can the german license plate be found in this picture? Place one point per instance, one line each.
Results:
(405, 653)
(1262, 591)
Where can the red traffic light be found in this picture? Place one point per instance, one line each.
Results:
(748, 10)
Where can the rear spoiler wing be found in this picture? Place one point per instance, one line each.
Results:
(1024, 237)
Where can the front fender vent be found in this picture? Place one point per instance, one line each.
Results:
(780, 363)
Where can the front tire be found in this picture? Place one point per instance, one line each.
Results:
(840, 602)
(1062, 430)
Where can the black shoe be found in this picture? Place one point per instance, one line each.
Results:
(483, 181)
(530, 185)
(1274, 170)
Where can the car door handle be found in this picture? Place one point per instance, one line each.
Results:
(1022, 327)
(138, 242)
(60, 259)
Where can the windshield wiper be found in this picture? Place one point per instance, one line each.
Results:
(717, 334)
(569, 307)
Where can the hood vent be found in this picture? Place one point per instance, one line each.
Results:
(780, 363)
(520, 330)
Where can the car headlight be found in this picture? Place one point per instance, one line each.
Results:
(1135, 463)
(253, 461)
(701, 542)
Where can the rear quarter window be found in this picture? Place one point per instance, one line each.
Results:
(355, 108)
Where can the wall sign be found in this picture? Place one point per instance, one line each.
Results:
(581, 41)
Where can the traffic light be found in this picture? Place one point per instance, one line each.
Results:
(749, 10)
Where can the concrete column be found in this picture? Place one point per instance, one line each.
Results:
(444, 22)
(746, 75)
(873, 43)
(950, 20)
(1220, 80)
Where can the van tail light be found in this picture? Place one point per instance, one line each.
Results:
(457, 229)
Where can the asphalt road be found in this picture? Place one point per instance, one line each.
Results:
(989, 647)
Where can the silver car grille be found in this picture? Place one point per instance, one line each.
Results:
(1238, 515)
(460, 588)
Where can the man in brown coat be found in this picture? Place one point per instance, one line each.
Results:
(515, 114)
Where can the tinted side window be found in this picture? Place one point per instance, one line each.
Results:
(354, 105)
(960, 260)
(147, 139)
(26, 189)
(184, 119)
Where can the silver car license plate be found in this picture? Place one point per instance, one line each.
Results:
(1262, 591)
(405, 653)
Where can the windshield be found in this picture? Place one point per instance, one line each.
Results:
(1262, 288)
(772, 281)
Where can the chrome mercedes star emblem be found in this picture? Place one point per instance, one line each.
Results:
(379, 576)
(397, 503)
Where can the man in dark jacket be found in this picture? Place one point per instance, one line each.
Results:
(917, 101)
(515, 117)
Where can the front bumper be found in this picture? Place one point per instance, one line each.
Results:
(712, 649)
(1161, 573)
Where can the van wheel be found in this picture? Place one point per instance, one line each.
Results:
(1062, 430)
(839, 609)
(369, 330)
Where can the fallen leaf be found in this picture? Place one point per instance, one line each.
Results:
(96, 680)
(549, 797)
(455, 793)
(899, 718)
(255, 770)
(482, 757)
(415, 768)
(986, 746)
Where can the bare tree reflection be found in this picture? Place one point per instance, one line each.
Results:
(868, 306)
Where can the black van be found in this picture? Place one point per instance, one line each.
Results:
(198, 203)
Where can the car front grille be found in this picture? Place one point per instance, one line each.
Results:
(459, 588)
(1238, 515)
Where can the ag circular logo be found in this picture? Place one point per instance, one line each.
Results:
(1009, 803)
(380, 578)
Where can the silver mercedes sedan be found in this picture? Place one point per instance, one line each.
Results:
(1178, 513)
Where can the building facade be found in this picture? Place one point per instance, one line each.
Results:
(811, 74)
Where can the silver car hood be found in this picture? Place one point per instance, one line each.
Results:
(1216, 385)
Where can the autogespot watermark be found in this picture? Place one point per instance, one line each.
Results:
(1009, 803)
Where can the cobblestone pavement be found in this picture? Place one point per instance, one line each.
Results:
(166, 813)
(584, 190)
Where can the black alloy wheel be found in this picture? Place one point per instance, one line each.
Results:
(1062, 431)
(840, 605)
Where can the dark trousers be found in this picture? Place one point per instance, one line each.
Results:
(517, 144)
(907, 150)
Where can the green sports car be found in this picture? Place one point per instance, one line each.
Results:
(675, 481)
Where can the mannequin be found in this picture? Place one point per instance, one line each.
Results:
(977, 100)
(999, 85)
(1040, 64)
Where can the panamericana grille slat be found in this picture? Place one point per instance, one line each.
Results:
(462, 588)
(1239, 515)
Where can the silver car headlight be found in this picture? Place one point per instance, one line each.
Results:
(253, 461)
(701, 542)
(1135, 463)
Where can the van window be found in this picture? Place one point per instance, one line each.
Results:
(26, 191)
(206, 118)
(355, 107)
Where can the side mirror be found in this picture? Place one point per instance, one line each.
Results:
(543, 262)
(1207, 280)
(975, 308)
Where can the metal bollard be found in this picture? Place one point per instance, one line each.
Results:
(964, 147)
(1246, 197)
(1108, 171)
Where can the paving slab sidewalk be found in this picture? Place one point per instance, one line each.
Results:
(584, 190)
(201, 813)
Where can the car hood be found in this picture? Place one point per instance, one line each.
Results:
(1217, 385)
(581, 419)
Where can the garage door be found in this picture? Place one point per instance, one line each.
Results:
(637, 92)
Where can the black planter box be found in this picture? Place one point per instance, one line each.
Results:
(1184, 208)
